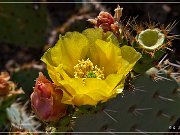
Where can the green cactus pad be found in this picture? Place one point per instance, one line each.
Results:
(25, 78)
(147, 62)
(153, 107)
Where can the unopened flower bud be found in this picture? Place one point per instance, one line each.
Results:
(46, 100)
(105, 21)
(104, 17)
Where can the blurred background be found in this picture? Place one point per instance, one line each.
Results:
(28, 29)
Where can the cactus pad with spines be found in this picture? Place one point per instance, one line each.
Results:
(150, 107)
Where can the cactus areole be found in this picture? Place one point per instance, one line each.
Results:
(151, 39)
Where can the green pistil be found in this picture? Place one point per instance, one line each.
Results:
(91, 75)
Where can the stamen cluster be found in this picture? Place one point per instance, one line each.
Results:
(85, 69)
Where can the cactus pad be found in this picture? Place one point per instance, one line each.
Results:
(153, 107)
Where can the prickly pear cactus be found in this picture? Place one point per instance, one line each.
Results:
(21, 23)
(150, 107)
(145, 102)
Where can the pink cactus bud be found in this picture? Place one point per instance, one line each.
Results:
(46, 100)
(104, 17)
(105, 26)
(114, 27)
(105, 21)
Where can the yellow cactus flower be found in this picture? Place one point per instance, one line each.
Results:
(89, 67)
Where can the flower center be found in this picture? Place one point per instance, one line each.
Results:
(86, 69)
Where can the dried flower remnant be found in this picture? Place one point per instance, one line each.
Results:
(118, 13)
(8, 88)
(4, 84)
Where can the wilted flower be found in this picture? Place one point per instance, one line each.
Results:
(118, 13)
(4, 83)
(89, 67)
(46, 100)
(8, 88)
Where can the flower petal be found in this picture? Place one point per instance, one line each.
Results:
(97, 90)
(67, 51)
(130, 57)
(113, 81)
(109, 56)
(83, 100)
(94, 34)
